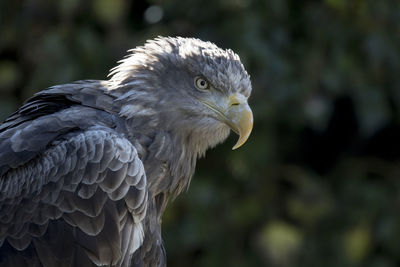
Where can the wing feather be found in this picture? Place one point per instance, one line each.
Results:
(85, 183)
(87, 191)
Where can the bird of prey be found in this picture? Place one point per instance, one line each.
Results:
(87, 168)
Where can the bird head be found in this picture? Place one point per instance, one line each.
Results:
(195, 84)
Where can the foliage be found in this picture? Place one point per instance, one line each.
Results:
(318, 183)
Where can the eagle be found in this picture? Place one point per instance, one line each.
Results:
(87, 168)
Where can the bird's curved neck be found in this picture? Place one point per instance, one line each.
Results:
(170, 142)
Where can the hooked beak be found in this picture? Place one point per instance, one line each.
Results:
(240, 118)
(236, 113)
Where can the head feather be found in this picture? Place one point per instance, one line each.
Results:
(221, 67)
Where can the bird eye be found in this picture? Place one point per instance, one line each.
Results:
(201, 83)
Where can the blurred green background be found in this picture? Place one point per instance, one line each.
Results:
(317, 184)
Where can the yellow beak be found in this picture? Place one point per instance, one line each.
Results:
(239, 118)
(235, 112)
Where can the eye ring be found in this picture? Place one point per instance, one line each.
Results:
(201, 83)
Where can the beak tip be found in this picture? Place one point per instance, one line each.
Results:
(239, 143)
(244, 128)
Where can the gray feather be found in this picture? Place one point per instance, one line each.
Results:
(87, 191)
(63, 191)
(89, 225)
(87, 168)
(114, 179)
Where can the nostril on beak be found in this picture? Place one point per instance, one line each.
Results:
(234, 101)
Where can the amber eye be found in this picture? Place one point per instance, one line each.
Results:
(201, 83)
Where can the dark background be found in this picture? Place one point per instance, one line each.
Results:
(317, 184)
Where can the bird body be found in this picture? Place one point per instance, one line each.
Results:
(87, 168)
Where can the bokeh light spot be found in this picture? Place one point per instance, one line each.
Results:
(153, 14)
